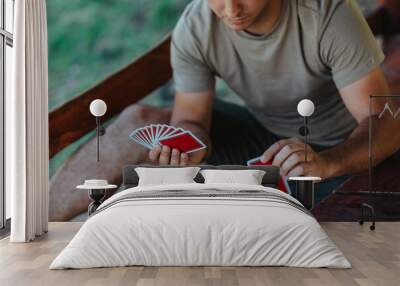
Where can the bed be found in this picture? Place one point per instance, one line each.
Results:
(201, 224)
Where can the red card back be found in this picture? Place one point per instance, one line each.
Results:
(184, 142)
(281, 183)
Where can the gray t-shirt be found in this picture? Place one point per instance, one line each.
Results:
(316, 48)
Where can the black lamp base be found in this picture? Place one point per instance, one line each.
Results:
(305, 193)
(367, 207)
(96, 195)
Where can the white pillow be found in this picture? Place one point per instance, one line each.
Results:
(161, 176)
(248, 177)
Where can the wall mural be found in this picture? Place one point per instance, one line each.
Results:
(388, 109)
(148, 28)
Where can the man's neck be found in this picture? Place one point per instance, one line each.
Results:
(267, 19)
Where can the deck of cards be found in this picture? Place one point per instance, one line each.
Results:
(282, 184)
(173, 137)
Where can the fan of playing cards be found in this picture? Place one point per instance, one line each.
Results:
(173, 137)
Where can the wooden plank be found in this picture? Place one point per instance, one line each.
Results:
(72, 120)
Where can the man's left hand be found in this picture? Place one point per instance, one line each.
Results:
(289, 155)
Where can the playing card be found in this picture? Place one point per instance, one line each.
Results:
(257, 161)
(136, 137)
(153, 131)
(282, 183)
(142, 142)
(150, 130)
(184, 141)
(159, 127)
(164, 129)
(172, 132)
(153, 134)
(145, 134)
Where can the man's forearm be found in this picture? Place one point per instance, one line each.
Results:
(351, 156)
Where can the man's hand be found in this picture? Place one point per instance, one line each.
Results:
(163, 155)
(289, 155)
(192, 111)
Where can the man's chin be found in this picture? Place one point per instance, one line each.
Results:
(236, 27)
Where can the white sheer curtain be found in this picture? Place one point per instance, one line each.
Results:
(27, 124)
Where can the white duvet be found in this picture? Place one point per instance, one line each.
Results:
(200, 231)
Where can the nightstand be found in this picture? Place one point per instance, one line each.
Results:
(305, 190)
(96, 190)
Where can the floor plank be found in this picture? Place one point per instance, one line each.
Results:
(375, 257)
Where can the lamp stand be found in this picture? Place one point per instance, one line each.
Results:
(100, 131)
(98, 137)
(305, 190)
(305, 137)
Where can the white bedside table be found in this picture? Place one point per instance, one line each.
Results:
(96, 190)
(305, 190)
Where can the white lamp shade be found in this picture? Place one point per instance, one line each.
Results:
(305, 107)
(98, 107)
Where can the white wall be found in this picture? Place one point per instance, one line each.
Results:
(9, 63)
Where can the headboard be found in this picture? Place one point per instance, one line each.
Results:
(130, 178)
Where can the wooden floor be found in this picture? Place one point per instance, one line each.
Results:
(375, 257)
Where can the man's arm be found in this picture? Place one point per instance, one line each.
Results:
(352, 155)
(192, 111)
(195, 83)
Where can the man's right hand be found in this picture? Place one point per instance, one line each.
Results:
(163, 155)
(192, 111)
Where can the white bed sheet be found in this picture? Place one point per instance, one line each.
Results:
(200, 231)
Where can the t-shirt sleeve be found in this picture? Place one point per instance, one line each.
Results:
(190, 71)
(347, 45)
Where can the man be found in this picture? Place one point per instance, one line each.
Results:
(273, 53)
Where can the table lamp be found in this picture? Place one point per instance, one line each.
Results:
(305, 108)
(98, 108)
(305, 184)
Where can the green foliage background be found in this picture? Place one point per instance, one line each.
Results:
(89, 39)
